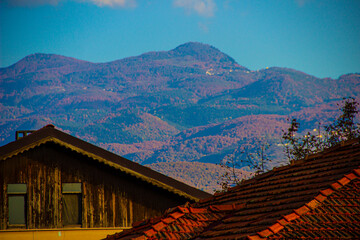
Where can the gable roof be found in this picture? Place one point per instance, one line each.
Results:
(317, 197)
(50, 134)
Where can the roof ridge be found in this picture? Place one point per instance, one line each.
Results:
(313, 204)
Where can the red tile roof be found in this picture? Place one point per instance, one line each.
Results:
(337, 216)
(177, 223)
(314, 198)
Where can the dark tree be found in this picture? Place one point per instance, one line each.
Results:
(343, 128)
(252, 155)
(298, 147)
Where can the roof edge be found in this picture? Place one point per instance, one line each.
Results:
(126, 170)
(27, 147)
(307, 207)
(55, 139)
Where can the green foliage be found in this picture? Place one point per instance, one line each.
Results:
(192, 115)
(254, 154)
(342, 129)
(298, 147)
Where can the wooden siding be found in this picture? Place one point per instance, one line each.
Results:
(110, 198)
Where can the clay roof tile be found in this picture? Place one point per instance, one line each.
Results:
(315, 198)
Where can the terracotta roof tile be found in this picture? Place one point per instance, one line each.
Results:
(351, 176)
(178, 223)
(276, 227)
(150, 232)
(327, 192)
(265, 233)
(357, 171)
(177, 215)
(337, 217)
(320, 198)
(168, 220)
(283, 221)
(313, 204)
(256, 237)
(344, 181)
(197, 210)
(315, 198)
(336, 186)
(292, 216)
(301, 211)
(158, 226)
(184, 210)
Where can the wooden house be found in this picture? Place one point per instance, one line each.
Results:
(314, 198)
(56, 186)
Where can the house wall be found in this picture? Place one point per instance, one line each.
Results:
(58, 234)
(110, 198)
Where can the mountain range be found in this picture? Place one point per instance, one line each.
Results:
(193, 103)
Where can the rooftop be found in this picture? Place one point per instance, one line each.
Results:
(315, 198)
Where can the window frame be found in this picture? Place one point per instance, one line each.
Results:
(15, 190)
(72, 189)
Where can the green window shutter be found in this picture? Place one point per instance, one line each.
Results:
(71, 188)
(17, 203)
(19, 188)
(71, 204)
(17, 210)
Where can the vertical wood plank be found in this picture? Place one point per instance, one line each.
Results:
(85, 205)
(113, 209)
(30, 190)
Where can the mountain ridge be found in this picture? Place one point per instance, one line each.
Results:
(191, 103)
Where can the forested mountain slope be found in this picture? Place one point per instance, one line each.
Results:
(191, 103)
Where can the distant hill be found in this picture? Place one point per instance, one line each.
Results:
(208, 143)
(199, 175)
(193, 103)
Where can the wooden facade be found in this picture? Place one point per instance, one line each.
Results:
(112, 193)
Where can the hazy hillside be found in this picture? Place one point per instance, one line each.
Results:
(191, 103)
(199, 175)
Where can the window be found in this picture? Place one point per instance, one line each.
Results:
(72, 203)
(16, 203)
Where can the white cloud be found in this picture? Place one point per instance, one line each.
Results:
(114, 3)
(101, 3)
(202, 7)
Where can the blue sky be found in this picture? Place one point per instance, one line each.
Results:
(319, 37)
